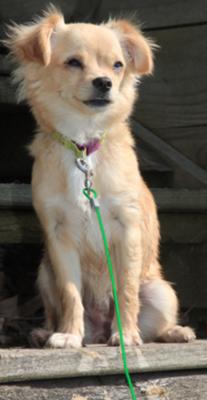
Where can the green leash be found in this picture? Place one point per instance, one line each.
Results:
(80, 159)
(92, 196)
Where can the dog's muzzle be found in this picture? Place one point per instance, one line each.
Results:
(102, 87)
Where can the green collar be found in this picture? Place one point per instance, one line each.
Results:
(68, 144)
(80, 150)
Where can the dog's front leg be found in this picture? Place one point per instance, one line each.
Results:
(128, 259)
(66, 265)
(65, 262)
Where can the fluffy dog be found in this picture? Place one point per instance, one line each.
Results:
(79, 80)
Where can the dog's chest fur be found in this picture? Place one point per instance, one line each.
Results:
(81, 216)
(85, 231)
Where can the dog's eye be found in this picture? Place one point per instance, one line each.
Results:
(74, 62)
(118, 65)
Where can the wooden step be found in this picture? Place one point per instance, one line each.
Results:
(154, 170)
(18, 126)
(35, 364)
(160, 371)
(183, 220)
(184, 208)
(150, 386)
(18, 197)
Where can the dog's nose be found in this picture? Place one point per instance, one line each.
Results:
(103, 84)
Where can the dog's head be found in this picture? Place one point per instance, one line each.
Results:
(81, 69)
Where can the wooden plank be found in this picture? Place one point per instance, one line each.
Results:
(180, 200)
(171, 155)
(191, 141)
(175, 95)
(185, 266)
(9, 307)
(19, 227)
(23, 12)
(5, 66)
(153, 14)
(192, 227)
(183, 208)
(7, 91)
(18, 196)
(173, 102)
(17, 127)
(151, 162)
(13, 195)
(22, 365)
(162, 386)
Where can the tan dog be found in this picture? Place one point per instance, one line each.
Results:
(79, 80)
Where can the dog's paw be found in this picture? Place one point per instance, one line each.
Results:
(179, 334)
(64, 340)
(133, 339)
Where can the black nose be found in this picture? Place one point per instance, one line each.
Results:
(103, 84)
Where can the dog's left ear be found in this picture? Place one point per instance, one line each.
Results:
(137, 49)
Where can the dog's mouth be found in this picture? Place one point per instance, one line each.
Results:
(97, 102)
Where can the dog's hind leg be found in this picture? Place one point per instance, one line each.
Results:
(159, 313)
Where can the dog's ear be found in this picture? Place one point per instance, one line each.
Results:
(33, 42)
(137, 49)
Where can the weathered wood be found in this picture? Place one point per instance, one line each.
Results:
(175, 96)
(23, 12)
(162, 386)
(18, 127)
(8, 307)
(151, 162)
(18, 223)
(15, 196)
(5, 66)
(191, 141)
(22, 365)
(180, 200)
(183, 228)
(173, 102)
(171, 155)
(18, 196)
(185, 266)
(2, 282)
(152, 14)
(7, 91)
(19, 227)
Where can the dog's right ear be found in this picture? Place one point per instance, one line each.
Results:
(32, 43)
(138, 50)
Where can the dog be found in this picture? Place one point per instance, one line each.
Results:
(80, 82)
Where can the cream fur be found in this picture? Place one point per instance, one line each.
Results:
(73, 277)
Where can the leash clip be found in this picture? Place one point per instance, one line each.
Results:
(84, 167)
